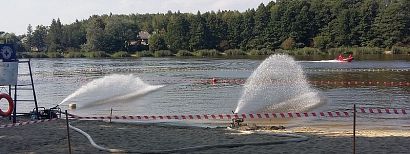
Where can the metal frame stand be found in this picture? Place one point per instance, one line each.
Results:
(16, 87)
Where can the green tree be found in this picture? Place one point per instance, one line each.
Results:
(54, 36)
(391, 24)
(178, 32)
(39, 38)
(197, 32)
(248, 26)
(95, 35)
(119, 31)
(261, 21)
(157, 42)
(74, 35)
(29, 37)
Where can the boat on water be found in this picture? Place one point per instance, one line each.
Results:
(342, 59)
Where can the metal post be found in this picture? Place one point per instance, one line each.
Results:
(34, 91)
(110, 115)
(354, 128)
(68, 132)
(15, 104)
(10, 95)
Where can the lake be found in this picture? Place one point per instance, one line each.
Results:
(175, 86)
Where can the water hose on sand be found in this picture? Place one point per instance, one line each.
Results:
(295, 138)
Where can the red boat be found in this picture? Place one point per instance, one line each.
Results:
(342, 59)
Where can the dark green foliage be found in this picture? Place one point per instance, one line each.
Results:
(145, 54)
(261, 52)
(206, 53)
(74, 54)
(35, 55)
(184, 53)
(96, 54)
(120, 54)
(400, 50)
(282, 24)
(162, 53)
(52, 54)
(157, 42)
(234, 52)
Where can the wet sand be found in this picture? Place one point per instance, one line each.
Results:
(50, 137)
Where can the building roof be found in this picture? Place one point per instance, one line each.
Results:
(144, 35)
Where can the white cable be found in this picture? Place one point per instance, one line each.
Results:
(297, 138)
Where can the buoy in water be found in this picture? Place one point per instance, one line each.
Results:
(213, 81)
(72, 106)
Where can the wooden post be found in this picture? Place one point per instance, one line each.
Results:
(68, 132)
(354, 128)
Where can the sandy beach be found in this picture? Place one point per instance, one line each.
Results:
(50, 137)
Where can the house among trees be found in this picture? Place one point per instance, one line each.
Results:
(142, 41)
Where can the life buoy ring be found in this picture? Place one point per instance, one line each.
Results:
(11, 105)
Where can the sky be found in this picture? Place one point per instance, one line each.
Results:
(18, 14)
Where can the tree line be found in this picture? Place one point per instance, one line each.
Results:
(284, 24)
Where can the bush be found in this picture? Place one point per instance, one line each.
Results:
(55, 55)
(74, 54)
(184, 53)
(234, 52)
(144, 54)
(162, 53)
(400, 50)
(355, 50)
(261, 52)
(120, 54)
(96, 54)
(288, 44)
(34, 55)
(307, 51)
(206, 53)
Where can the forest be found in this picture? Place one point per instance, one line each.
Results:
(281, 25)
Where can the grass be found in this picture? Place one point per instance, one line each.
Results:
(74, 54)
(96, 54)
(120, 54)
(162, 53)
(184, 53)
(206, 53)
(400, 50)
(261, 52)
(55, 55)
(234, 52)
(144, 54)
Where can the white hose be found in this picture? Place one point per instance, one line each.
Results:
(297, 138)
(92, 141)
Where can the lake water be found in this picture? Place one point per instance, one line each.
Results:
(174, 86)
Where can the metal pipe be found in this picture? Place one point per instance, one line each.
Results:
(68, 132)
(34, 91)
(354, 128)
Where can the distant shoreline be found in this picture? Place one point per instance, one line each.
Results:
(230, 53)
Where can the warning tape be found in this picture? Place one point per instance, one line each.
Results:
(381, 110)
(330, 114)
(246, 116)
(26, 123)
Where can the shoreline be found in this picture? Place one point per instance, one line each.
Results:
(51, 137)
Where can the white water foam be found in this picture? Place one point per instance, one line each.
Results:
(278, 85)
(110, 88)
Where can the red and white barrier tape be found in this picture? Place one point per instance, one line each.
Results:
(247, 116)
(26, 123)
(333, 114)
(379, 110)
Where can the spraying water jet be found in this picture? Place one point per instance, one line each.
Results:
(278, 85)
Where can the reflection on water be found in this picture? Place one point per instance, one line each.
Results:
(56, 79)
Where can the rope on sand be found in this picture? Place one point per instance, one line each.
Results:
(296, 138)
